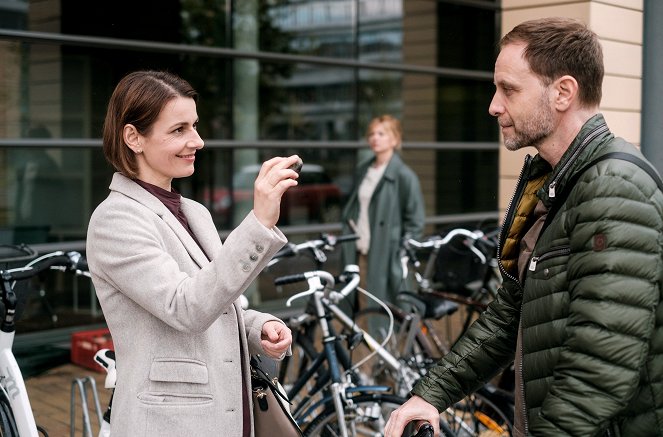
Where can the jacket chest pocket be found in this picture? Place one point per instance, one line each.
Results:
(542, 265)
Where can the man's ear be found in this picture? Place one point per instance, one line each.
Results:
(567, 92)
(132, 138)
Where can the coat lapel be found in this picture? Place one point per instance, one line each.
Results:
(129, 188)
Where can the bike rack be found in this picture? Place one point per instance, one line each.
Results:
(81, 384)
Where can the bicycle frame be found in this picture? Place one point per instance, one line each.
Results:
(12, 384)
(340, 391)
(13, 387)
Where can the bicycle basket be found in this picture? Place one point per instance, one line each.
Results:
(457, 267)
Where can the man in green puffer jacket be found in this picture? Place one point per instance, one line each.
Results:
(581, 255)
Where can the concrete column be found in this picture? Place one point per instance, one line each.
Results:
(652, 84)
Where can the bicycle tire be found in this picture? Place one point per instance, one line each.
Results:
(480, 416)
(362, 415)
(7, 421)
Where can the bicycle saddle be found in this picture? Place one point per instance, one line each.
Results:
(430, 307)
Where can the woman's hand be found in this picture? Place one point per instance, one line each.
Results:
(272, 181)
(275, 339)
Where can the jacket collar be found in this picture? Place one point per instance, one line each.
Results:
(593, 133)
(393, 166)
(129, 188)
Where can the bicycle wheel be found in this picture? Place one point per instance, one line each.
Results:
(476, 415)
(367, 416)
(291, 367)
(7, 422)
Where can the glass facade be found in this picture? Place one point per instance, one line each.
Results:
(275, 77)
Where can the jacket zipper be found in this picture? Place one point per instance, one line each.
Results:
(555, 251)
(520, 186)
(522, 378)
(599, 130)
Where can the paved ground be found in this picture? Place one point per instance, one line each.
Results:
(51, 398)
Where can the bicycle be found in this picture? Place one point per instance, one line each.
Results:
(336, 404)
(416, 340)
(16, 417)
(316, 249)
(435, 298)
(304, 328)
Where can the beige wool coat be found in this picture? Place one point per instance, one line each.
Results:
(174, 316)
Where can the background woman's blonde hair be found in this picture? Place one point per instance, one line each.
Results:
(391, 124)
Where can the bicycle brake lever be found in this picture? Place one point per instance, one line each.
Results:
(320, 255)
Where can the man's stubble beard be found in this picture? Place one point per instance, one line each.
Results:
(534, 130)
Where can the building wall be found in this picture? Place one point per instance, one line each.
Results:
(622, 52)
(419, 103)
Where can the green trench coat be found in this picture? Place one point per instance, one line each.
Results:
(396, 211)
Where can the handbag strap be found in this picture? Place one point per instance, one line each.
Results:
(258, 373)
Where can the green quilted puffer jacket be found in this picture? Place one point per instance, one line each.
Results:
(590, 305)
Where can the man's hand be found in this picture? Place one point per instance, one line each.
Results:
(414, 409)
(275, 339)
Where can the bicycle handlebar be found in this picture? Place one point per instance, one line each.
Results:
(70, 261)
(425, 430)
(326, 242)
(437, 242)
(67, 261)
(290, 279)
(318, 280)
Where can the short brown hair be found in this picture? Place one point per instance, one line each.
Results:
(559, 46)
(138, 99)
(391, 123)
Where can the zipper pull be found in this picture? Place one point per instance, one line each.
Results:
(551, 189)
(532, 263)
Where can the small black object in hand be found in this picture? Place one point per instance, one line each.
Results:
(297, 166)
(425, 430)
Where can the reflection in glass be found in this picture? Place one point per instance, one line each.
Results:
(323, 182)
(380, 92)
(64, 90)
(320, 28)
(311, 103)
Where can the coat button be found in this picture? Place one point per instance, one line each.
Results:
(246, 267)
(259, 248)
(546, 272)
(253, 257)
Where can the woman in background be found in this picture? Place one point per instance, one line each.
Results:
(168, 287)
(384, 207)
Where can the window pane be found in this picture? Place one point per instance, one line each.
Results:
(463, 111)
(466, 37)
(62, 92)
(187, 21)
(47, 194)
(320, 28)
(224, 182)
(307, 102)
(466, 181)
